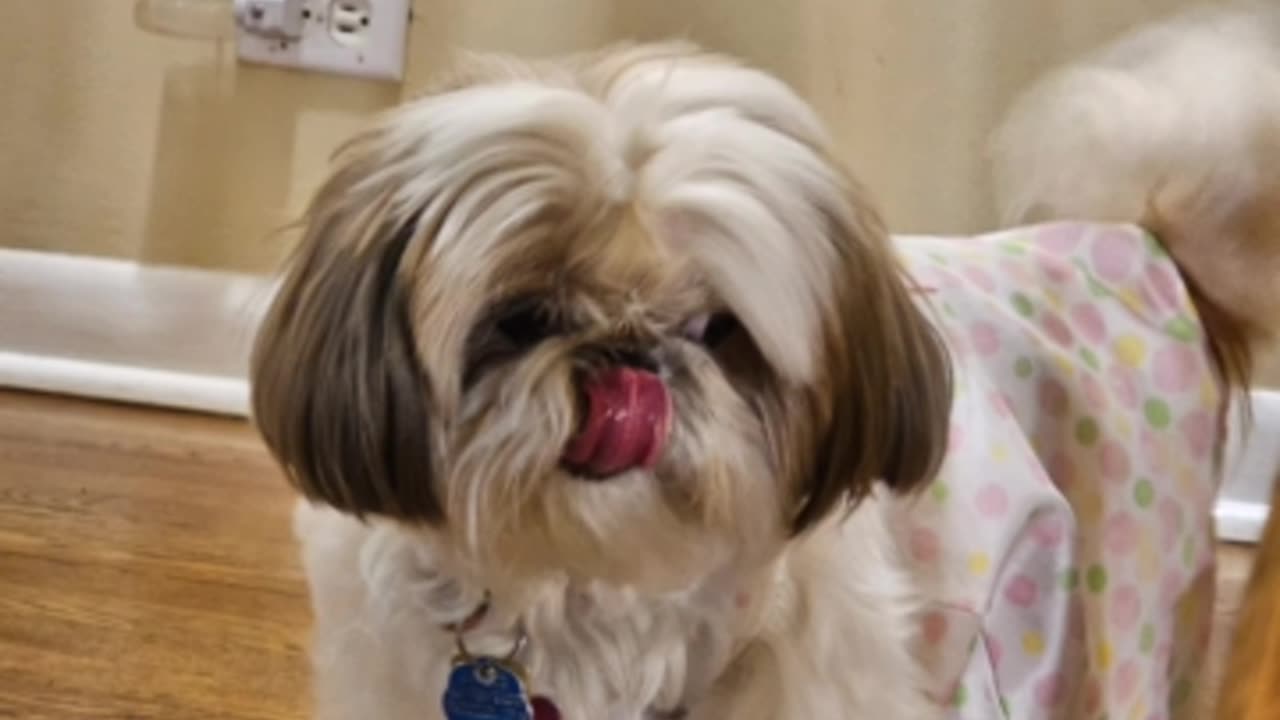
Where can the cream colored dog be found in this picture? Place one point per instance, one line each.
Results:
(608, 362)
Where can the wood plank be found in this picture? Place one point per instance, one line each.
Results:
(147, 567)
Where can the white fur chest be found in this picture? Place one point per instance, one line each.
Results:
(381, 649)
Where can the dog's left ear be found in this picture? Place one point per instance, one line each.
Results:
(889, 375)
(339, 393)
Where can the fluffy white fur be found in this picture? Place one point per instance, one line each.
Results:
(639, 597)
(1177, 127)
(830, 633)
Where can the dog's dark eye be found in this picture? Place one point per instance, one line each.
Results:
(712, 329)
(525, 324)
(509, 331)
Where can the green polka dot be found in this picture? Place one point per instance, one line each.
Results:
(940, 491)
(939, 259)
(950, 311)
(1188, 551)
(1004, 707)
(1024, 367)
(962, 695)
(1070, 579)
(1014, 248)
(1090, 359)
(1098, 289)
(1087, 431)
(1157, 412)
(1023, 305)
(1096, 578)
(1143, 493)
(1181, 328)
(1148, 639)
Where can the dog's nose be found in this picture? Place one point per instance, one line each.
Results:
(625, 421)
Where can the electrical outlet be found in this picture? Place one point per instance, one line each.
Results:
(365, 38)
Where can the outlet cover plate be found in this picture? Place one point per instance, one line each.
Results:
(329, 41)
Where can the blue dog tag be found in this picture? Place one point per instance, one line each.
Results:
(483, 688)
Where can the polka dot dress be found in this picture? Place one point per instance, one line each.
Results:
(1067, 538)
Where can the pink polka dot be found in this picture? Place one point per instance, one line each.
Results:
(1124, 385)
(1017, 271)
(1115, 256)
(1176, 368)
(1054, 269)
(955, 440)
(1200, 430)
(1021, 592)
(993, 501)
(1049, 691)
(1164, 285)
(924, 545)
(1121, 533)
(1089, 322)
(1114, 462)
(935, 628)
(1126, 608)
(1127, 679)
(1060, 239)
(1170, 523)
(985, 338)
(1062, 469)
(1094, 394)
(1048, 530)
(1155, 452)
(1056, 329)
(981, 278)
(1053, 397)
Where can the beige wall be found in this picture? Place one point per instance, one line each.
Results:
(121, 143)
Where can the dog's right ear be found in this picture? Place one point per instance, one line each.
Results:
(339, 393)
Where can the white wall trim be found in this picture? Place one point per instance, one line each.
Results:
(119, 330)
(178, 337)
(145, 386)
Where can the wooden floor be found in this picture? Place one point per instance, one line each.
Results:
(147, 569)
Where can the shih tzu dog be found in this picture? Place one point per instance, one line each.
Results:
(611, 398)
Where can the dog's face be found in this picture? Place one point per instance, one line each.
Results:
(619, 316)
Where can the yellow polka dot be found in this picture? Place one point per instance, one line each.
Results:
(1123, 427)
(1033, 643)
(1066, 366)
(1053, 299)
(979, 563)
(1132, 299)
(1106, 654)
(1000, 452)
(1130, 350)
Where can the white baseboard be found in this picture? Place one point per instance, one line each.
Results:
(1241, 522)
(178, 337)
(118, 330)
(144, 386)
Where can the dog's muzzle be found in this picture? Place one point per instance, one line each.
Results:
(625, 422)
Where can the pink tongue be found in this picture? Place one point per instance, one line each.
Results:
(628, 416)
